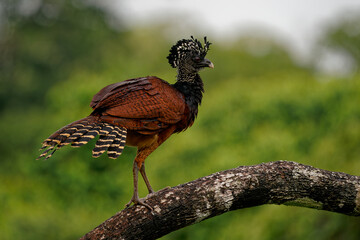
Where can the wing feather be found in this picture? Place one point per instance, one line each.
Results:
(144, 104)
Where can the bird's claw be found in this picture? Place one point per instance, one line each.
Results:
(137, 201)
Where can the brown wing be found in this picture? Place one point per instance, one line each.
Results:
(146, 105)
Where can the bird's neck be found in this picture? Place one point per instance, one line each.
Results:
(192, 87)
(186, 75)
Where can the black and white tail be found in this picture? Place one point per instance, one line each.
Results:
(112, 138)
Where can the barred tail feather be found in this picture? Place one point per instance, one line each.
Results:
(78, 133)
(110, 138)
(86, 137)
(60, 137)
(46, 153)
(118, 144)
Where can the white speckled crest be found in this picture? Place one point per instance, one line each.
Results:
(184, 46)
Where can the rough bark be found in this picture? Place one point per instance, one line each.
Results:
(280, 182)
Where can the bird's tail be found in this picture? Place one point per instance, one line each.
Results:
(112, 138)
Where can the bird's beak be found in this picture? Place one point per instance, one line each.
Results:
(207, 63)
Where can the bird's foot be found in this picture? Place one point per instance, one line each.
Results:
(137, 201)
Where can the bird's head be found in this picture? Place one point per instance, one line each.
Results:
(190, 54)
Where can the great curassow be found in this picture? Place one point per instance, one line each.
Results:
(141, 112)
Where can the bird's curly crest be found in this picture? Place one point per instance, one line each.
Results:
(182, 47)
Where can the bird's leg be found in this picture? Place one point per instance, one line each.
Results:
(135, 198)
(142, 154)
(146, 180)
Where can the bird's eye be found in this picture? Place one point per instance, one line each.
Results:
(197, 59)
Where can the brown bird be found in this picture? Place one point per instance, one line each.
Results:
(141, 112)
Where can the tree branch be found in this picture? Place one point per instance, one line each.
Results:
(280, 182)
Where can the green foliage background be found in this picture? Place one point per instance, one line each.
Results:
(257, 108)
